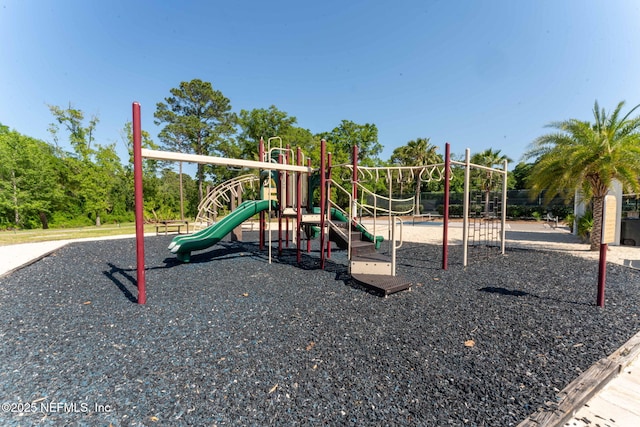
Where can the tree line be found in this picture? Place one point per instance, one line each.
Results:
(41, 184)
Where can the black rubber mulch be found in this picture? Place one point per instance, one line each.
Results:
(230, 339)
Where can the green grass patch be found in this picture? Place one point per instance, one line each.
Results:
(11, 237)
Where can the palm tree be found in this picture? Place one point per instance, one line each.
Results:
(484, 178)
(418, 152)
(589, 156)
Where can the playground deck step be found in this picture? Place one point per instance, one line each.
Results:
(358, 246)
(289, 212)
(377, 268)
(373, 263)
(338, 236)
(313, 219)
(382, 283)
(362, 247)
(371, 257)
(338, 227)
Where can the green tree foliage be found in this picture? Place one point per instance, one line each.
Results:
(303, 138)
(162, 196)
(520, 175)
(342, 139)
(456, 183)
(93, 173)
(76, 179)
(80, 137)
(417, 152)
(262, 123)
(197, 119)
(267, 123)
(149, 166)
(161, 185)
(112, 179)
(150, 169)
(485, 179)
(340, 143)
(29, 187)
(589, 156)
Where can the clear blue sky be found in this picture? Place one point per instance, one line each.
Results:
(479, 74)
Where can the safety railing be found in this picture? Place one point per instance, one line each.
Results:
(359, 211)
(399, 222)
(332, 205)
(378, 206)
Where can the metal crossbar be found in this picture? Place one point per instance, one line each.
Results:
(427, 173)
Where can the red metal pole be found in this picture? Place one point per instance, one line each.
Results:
(281, 199)
(309, 205)
(323, 183)
(602, 265)
(298, 205)
(445, 213)
(139, 207)
(288, 195)
(354, 193)
(602, 274)
(354, 182)
(329, 195)
(262, 227)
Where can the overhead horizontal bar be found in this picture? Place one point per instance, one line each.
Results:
(486, 168)
(221, 161)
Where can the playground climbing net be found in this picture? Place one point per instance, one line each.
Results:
(484, 237)
(484, 227)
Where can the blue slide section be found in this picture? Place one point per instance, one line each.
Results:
(203, 239)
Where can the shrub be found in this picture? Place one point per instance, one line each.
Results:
(569, 220)
(114, 218)
(63, 220)
(454, 210)
(585, 225)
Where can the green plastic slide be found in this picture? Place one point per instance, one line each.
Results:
(182, 246)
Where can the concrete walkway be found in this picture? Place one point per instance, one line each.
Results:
(616, 404)
(15, 257)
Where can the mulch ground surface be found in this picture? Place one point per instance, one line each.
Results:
(229, 339)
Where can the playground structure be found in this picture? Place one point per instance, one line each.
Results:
(282, 192)
(277, 194)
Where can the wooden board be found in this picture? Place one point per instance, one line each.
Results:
(609, 219)
(583, 388)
